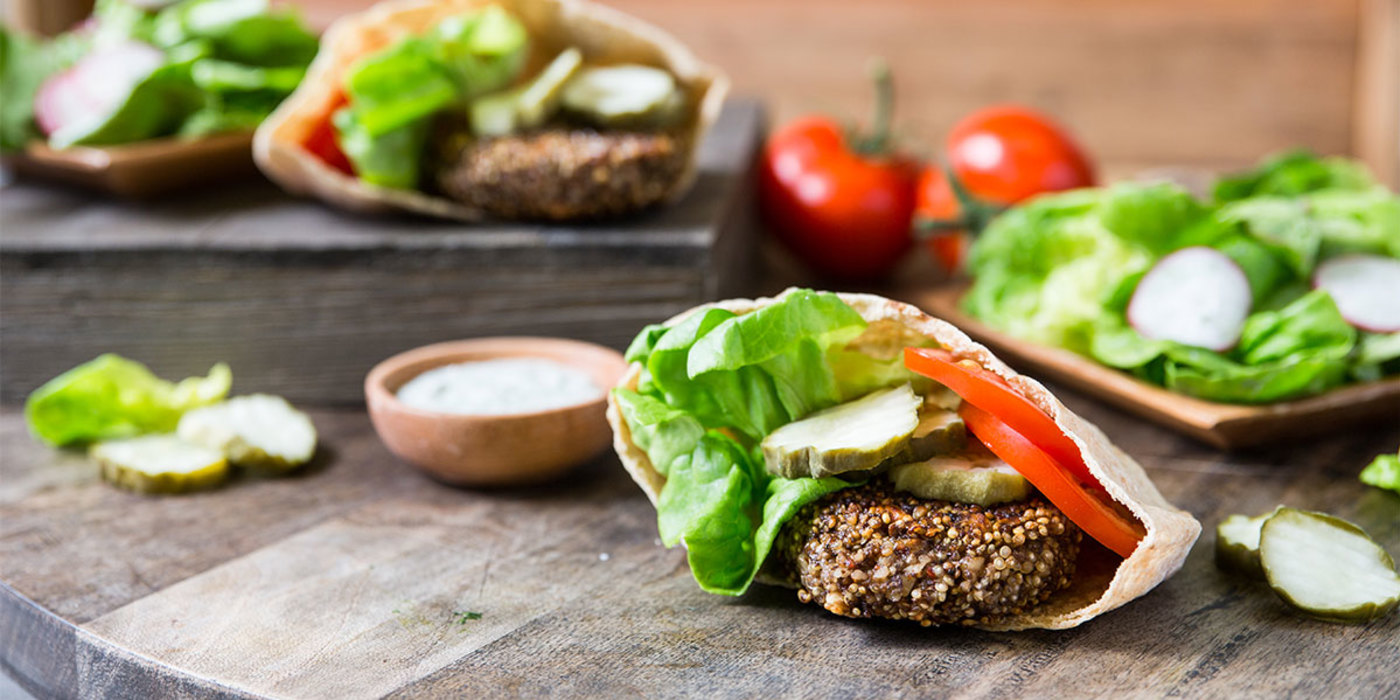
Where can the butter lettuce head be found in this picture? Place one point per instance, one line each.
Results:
(1044, 270)
(1060, 270)
(113, 397)
(714, 385)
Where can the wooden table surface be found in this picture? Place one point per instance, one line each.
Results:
(349, 580)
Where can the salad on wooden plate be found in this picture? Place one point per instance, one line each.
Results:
(146, 96)
(1272, 309)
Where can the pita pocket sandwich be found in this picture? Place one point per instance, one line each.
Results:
(884, 465)
(508, 109)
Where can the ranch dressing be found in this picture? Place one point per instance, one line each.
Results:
(499, 387)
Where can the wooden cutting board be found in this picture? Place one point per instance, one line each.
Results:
(359, 577)
(242, 274)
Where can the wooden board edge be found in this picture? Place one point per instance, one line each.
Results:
(1226, 426)
(51, 657)
(142, 169)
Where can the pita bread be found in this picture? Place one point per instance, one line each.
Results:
(604, 35)
(1102, 580)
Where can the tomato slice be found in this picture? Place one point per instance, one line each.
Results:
(1096, 518)
(989, 392)
(321, 141)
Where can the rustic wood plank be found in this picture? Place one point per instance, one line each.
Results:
(1377, 129)
(289, 588)
(172, 283)
(1145, 83)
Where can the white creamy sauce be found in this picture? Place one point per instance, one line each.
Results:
(499, 387)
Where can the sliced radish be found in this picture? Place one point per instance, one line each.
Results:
(1366, 289)
(1195, 296)
(82, 96)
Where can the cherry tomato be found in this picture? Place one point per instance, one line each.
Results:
(989, 392)
(1004, 154)
(1099, 520)
(842, 207)
(1000, 155)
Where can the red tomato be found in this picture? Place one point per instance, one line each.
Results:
(1004, 154)
(988, 391)
(1001, 155)
(843, 208)
(323, 143)
(1085, 508)
(845, 214)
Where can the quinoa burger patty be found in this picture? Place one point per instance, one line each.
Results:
(559, 174)
(870, 551)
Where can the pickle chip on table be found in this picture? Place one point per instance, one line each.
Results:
(509, 109)
(774, 438)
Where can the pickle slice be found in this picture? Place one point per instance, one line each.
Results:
(539, 100)
(1237, 544)
(493, 115)
(623, 95)
(852, 436)
(527, 106)
(976, 476)
(940, 432)
(159, 464)
(1327, 567)
(256, 431)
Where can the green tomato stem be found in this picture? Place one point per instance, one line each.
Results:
(877, 141)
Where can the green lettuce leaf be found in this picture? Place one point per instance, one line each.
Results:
(709, 502)
(1383, 472)
(1152, 216)
(740, 377)
(244, 31)
(1211, 376)
(773, 331)
(705, 504)
(1118, 344)
(1264, 269)
(156, 105)
(390, 159)
(482, 51)
(1358, 222)
(116, 21)
(113, 397)
(1043, 270)
(1310, 324)
(25, 63)
(663, 432)
(215, 75)
(1291, 174)
(398, 86)
(1061, 269)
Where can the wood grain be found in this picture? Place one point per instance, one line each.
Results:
(305, 299)
(145, 169)
(1147, 83)
(1377, 134)
(344, 581)
(1219, 424)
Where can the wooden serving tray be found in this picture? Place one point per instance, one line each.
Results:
(1219, 424)
(303, 299)
(142, 169)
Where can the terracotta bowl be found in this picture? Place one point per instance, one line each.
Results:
(493, 450)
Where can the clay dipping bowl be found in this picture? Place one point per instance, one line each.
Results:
(493, 450)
